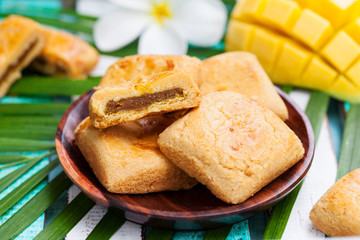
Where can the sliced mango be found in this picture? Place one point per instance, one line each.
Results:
(266, 45)
(290, 64)
(239, 36)
(345, 89)
(354, 73)
(318, 75)
(341, 51)
(338, 12)
(306, 43)
(353, 29)
(312, 29)
(281, 14)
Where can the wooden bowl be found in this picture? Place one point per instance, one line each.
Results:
(192, 209)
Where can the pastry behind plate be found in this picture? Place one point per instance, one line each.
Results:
(65, 55)
(241, 72)
(126, 158)
(20, 42)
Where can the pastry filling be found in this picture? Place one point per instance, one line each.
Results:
(58, 68)
(143, 101)
(20, 60)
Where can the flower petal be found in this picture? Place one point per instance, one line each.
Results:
(139, 5)
(117, 29)
(202, 22)
(161, 40)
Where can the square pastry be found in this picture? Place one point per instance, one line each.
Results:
(127, 159)
(231, 144)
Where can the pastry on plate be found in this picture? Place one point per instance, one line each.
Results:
(241, 72)
(20, 42)
(135, 66)
(231, 144)
(126, 158)
(65, 55)
(337, 213)
(162, 92)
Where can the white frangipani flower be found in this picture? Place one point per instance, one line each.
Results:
(164, 26)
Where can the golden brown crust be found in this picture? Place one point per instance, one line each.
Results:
(231, 144)
(337, 212)
(241, 72)
(20, 42)
(187, 97)
(126, 158)
(131, 67)
(65, 55)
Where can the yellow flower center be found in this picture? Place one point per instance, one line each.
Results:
(161, 11)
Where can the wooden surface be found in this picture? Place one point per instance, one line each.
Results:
(196, 208)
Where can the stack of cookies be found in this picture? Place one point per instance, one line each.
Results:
(161, 123)
(24, 42)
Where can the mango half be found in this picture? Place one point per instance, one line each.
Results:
(311, 44)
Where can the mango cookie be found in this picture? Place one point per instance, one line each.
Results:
(241, 72)
(65, 55)
(20, 42)
(126, 158)
(337, 213)
(128, 68)
(163, 92)
(231, 144)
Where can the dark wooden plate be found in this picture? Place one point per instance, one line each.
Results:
(192, 209)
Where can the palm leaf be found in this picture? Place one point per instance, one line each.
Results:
(18, 144)
(53, 86)
(35, 207)
(349, 159)
(107, 226)
(33, 108)
(160, 234)
(78, 27)
(11, 177)
(29, 133)
(219, 233)
(12, 198)
(9, 158)
(29, 120)
(67, 219)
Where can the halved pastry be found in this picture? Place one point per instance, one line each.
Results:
(241, 72)
(126, 158)
(131, 67)
(163, 92)
(65, 55)
(20, 42)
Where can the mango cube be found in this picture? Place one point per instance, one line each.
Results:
(345, 89)
(281, 14)
(291, 62)
(353, 29)
(304, 3)
(354, 73)
(341, 51)
(248, 9)
(318, 74)
(312, 29)
(266, 45)
(338, 12)
(239, 36)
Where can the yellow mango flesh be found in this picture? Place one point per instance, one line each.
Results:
(300, 45)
